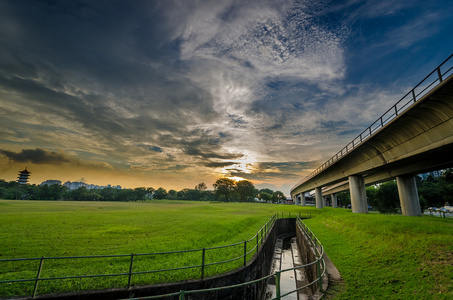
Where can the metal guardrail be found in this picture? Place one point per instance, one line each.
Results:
(442, 72)
(320, 272)
(441, 210)
(257, 240)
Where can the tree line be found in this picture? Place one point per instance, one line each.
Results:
(225, 189)
(432, 192)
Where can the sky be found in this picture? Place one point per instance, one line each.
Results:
(173, 93)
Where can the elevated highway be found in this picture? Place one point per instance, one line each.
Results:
(414, 136)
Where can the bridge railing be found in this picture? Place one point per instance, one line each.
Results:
(438, 75)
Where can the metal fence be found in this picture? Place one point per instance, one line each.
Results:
(320, 272)
(437, 76)
(233, 256)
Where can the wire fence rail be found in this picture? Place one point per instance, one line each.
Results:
(436, 77)
(230, 256)
(320, 272)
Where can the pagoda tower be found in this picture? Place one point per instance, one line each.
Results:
(23, 176)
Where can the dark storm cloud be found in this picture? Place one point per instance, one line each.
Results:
(214, 164)
(156, 149)
(237, 121)
(97, 77)
(265, 171)
(112, 44)
(37, 156)
(283, 168)
(83, 108)
(207, 148)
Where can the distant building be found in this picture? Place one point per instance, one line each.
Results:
(113, 187)
(93, 187)
(23, 176)
(77, 184)
(74, 185)
(51, 182)
(289, 200)
(434, 174)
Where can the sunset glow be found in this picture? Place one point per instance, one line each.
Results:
(174, 93)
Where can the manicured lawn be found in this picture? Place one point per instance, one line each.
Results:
(378, 256)
(59, 228)
(388, 256)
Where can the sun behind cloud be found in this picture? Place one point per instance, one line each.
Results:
(236, 178)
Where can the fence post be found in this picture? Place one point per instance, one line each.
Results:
(130, 271)
(181, 295)
(440, 74)
(202, 263)
(277, 284)
(257, 242)
(37, 277)
(262, 235)
(245, 253)
(319, 275)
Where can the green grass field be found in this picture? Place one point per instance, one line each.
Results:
(57, 228)
(379, 256)
(388, 256)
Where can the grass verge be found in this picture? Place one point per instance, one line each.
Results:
(388, 256)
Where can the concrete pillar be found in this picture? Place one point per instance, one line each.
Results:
(407, 191)
(296, 200)
(302, 199)
(333, 198)
(319, 201)
(324, 201)
(358, 194)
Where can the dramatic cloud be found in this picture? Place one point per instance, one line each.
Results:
(172, 93)
(37, 156)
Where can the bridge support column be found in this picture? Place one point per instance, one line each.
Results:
(296, 200)
(333, 199)
(302, 199)
(358, 194)
(319, 200)
(407, 191)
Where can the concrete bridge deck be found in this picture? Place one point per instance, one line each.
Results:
(413, 138)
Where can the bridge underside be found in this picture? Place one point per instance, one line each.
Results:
(417, 141)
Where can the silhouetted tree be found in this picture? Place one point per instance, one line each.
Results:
(245, 190)
(201, 186)
(224, 186)
(265, 196)
(172, 195)
(279, 196)
(387, 199)
(160, 193)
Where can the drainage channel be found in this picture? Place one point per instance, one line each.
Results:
(287, 256)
